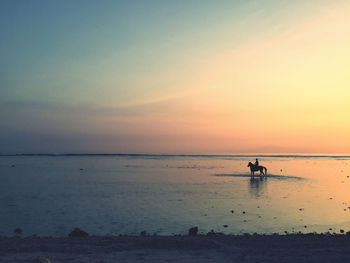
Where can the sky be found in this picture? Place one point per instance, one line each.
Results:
(178, 77)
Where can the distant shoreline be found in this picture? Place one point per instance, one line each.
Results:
(174, 155)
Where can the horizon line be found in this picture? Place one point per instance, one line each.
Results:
(300, 155)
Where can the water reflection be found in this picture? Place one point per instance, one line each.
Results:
(257, 186)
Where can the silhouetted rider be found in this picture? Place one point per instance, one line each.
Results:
(256, 162)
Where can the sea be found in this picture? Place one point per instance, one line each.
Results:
(51, 194)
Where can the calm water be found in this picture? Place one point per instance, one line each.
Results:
(167, 195)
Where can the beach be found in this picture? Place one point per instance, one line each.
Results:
(174, 131)
(215, 248)
(140, 209)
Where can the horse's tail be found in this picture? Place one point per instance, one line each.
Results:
(265, 171)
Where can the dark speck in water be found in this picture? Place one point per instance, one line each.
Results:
(18, 231)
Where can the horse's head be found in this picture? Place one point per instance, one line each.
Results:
(249, 164)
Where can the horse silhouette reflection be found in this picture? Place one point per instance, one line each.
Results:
(257, 186)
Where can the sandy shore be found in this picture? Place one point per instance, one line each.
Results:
(253, 248)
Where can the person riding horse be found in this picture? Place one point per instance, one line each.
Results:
(256, 167)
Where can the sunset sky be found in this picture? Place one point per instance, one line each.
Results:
(203, 77)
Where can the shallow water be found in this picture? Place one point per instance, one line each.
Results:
(50, 195)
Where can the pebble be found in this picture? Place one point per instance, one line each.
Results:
(193, 231)
(78, 233)
(18, 231)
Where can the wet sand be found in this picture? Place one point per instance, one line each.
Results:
(216, 248)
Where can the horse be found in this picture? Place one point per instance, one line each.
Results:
(254, 168)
